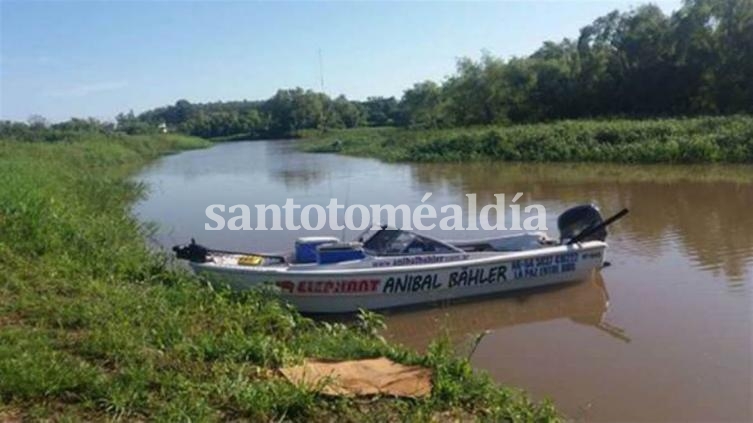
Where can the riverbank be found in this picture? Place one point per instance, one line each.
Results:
(696, 140)
(95, 325)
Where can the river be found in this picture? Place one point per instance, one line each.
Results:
(664, 333)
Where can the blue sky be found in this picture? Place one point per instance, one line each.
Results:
(62, 59)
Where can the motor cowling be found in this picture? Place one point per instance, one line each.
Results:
(192, 252)
(577, 219)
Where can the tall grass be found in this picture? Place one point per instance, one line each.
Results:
(94, 325)
(697, 140)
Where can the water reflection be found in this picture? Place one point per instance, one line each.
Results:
(583, 302)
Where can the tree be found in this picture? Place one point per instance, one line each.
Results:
(38, 121)
(348, 112)
(422, 105)
(381, 111)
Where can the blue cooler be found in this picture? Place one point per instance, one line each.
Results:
(335, 253)
(305, 248)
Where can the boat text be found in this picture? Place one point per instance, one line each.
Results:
(410, 261)
(411, 283)
(542, 266)
(475, 277)
(348, 286)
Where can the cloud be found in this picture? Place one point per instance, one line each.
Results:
(82, 90)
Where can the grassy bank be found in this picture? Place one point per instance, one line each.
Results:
(697, 140)
(93, 325)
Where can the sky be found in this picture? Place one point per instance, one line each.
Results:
(63, 59)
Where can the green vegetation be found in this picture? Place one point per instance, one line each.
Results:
(637, 64)
(95, 325)
(698, 140)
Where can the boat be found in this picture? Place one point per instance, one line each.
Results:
(388, 267)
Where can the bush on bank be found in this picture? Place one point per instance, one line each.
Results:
(697, 140)
(93, 324)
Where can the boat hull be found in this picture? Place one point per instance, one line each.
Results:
(347, 290)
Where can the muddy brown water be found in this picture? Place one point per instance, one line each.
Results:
(662, 334)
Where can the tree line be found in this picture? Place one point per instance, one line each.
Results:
(640, 63)
(699, 60)
(285, 113)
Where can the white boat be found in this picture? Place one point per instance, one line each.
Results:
(391, 268)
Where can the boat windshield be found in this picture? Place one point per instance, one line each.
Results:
(398, 242)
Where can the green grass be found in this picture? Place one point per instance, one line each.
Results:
(95, 325)
(696, 140)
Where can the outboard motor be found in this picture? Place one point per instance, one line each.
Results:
(576, 220)
(192, 252)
